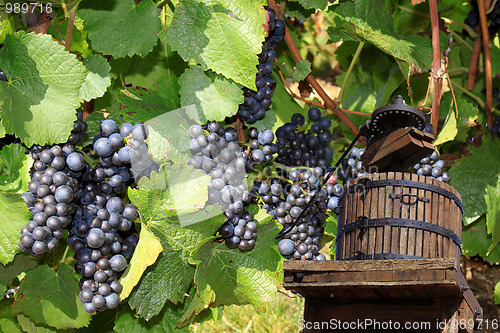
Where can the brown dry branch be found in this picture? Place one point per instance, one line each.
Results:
(331, 105)
(474, 63)
(487, 60)
(69, 33)
(437, 69)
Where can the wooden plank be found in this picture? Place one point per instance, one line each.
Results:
(340, 241)
(364, 265)
(379, 231)
(440, 221)
(388, 213)
(396, 212)
(447, 216)
(405, 212)
(419, 238)
(433, 242)
(373, 213)
(359, 234)
(412, 214)
(427, 218)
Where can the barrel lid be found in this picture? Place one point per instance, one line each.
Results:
(396, 115)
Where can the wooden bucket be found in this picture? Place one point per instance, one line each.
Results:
(399, 215)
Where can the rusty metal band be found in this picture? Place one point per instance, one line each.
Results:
(363, 222)
(406, 183)
(382, 256)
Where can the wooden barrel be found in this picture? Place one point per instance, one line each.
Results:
(399, 215)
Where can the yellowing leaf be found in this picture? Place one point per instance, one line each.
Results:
(145, 254)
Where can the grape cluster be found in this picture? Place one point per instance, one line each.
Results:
(113, 153)
(300, 148)
(292, 204)
(66, 192)
(352, 166)
(257, 102)
(262, 147)
(432, 166)
(51, 193)
(219, 155)
(493, 18)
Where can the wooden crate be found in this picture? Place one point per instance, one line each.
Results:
(397, 215)
(430, 291)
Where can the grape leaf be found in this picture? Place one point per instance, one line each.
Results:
(370, 21)
(496, 293)
(449, 130)
(51, 298)
(30, 327)
(492, 198)
(140, 105)
(14, 176)
(2, 130)
(162, 62)
(127, 321)
(239, 277)
(222, 35)
(472, 174)
(169, 278)
(215, 96)
(145, 254)
(9, 272)
(122, 27)
(303, 69)
(315, 4)
(13, 216)
(476, 241)
(8, 322)
(98, 79)
(467, 116)
(42, 94)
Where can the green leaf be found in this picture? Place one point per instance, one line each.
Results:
(496, 293)
(8, 321)
(2, 130)
(449, 130)
(303, 69)
(315, 4)
(492, 198)
(98, 79)
(42, 94)
(162, 62)
(128, 322)
(476, 241)
(215, 96)
(141, 105)
(472, 174)
(239, 277)
(51, 298)
(495, 54)
(30, 327)
(14, 215)
(170, 277)
(371, 21)
(145, 254)
(20, 264)
(13, 174)
(468, 113)
(222, 35)
(121, 28)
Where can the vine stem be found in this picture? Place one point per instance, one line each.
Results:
(349, 70)
(69, 33)
(238, 126)
(331, 105)
(478, 100)
(319, 105)
(474, 63)
(437, 77)
(487, 61)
